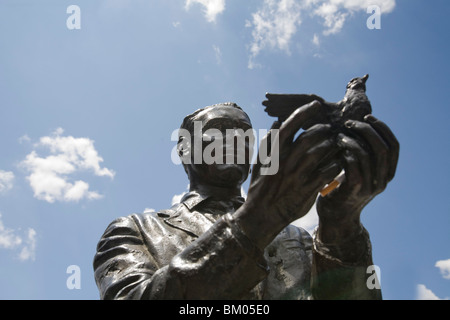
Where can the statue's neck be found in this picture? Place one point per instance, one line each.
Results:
(216, 191)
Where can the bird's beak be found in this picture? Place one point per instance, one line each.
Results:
(365, 78)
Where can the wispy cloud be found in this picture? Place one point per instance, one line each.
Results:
(50, 176)
(335, 12)
(28, 251)
(6, 180)
(218, 54)
(212, 8)
(12, 240)
(273, 25)
(316, 40)
(277, 21)
(24, 138)
(8, 237)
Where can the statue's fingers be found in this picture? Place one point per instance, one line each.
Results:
(296, 121)
(394, 146)
(304, 165)
(379, 148)
(365, 170)
(303, 147)
(353, 174)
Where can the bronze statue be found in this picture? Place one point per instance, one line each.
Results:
(215, 245)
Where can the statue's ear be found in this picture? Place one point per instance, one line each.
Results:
(184, 148)
(184, 152)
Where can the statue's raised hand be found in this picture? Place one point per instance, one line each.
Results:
(369, 158)
(305, 164)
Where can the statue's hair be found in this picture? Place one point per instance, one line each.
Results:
(188, 122)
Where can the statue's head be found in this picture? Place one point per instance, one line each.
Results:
(215, 145)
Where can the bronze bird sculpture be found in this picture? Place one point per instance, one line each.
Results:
(354, 106)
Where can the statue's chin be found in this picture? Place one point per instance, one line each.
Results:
(230, 174)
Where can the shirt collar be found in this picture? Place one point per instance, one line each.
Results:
(190, 220)
(194, 198)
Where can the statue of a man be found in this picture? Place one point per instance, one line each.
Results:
(215, 245)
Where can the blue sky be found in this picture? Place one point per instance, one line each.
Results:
(86, 117)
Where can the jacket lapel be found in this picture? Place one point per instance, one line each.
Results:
(183, 215)
(190, 221)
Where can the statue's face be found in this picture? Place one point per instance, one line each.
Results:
(227, 143)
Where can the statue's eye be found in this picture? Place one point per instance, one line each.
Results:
(208, 138)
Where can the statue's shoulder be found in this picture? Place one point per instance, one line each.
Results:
(138, 223)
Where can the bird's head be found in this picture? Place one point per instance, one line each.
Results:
(358, 83)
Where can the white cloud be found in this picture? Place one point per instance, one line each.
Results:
(274, 24)
(212, 8)
(334, 19)
(444, 268)
(9, 239)
(6, 180)
(316, 40)
(276, 21)
(335, 12)
(49, 176)
(423, 293)
(28, 251)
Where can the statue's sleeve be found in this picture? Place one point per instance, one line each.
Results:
(221, 264)
(344, 270)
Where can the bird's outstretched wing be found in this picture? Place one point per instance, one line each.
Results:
(283, 105)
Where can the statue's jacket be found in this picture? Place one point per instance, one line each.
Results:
(181, 253)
